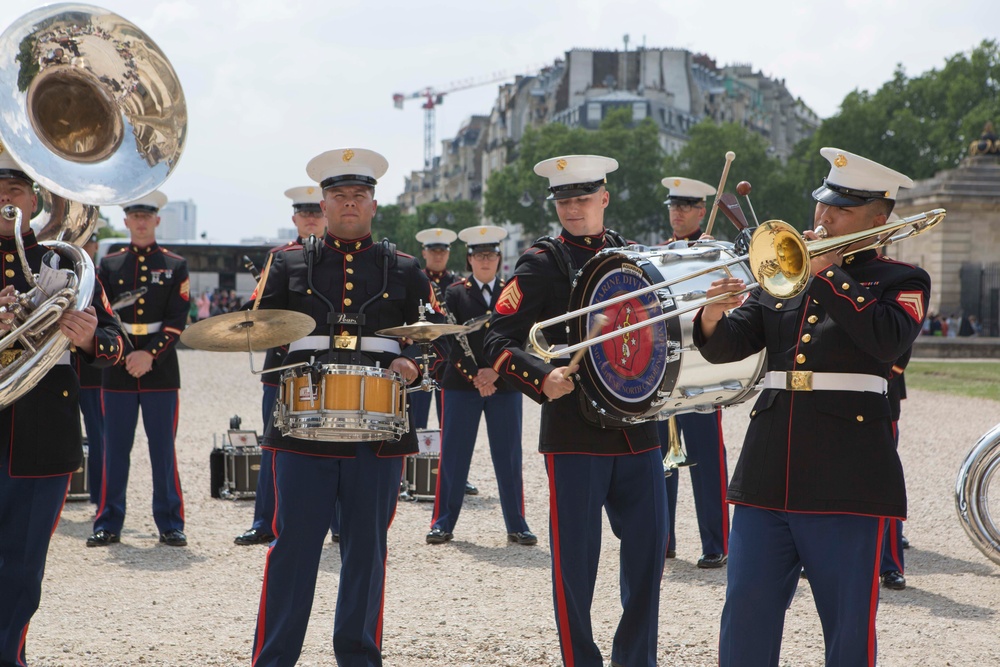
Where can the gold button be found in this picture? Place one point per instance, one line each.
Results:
(806, 338)
(829, 274)
(813, 319)
(121, 282)
(9, 273)
(144, 267)
(9, 257)
(349, 258)
(347, 302)
(309, 291)
(141, 258)
(512, 367)
(350, 286)
(861, 299)
(487, 325)
(101, 346)
(350, 271)
(861, 418)
(800, 359)
(385, 296)
(525, 374)
(139, 312)
(141, 300)
(778, 305)
(142, 278)
(65, 393)
(536, 381)
(845, 286)
(753, 413)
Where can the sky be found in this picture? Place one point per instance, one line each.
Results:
(270, 84)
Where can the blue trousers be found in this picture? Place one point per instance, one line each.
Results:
(767, 549)
(462, 412)
(159, 418)
(29, 511)
(307, 491)
(420, 406)
(630, 489)
(93, 422)
(702, 435)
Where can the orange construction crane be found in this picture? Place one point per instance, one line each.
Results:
(433, 97)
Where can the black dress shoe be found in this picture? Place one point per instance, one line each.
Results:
(335, 538)
(438, 536)
(712, 561)
(103, 538)
(894, 580)
(527, 538)
(906, 542)
(471, 490)
(671, 553)
(174, 538)
(254, 536)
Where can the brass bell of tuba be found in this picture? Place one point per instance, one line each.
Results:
(94, 113)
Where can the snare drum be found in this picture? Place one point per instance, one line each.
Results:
(341, 402)
(655, 371)
(420, 477)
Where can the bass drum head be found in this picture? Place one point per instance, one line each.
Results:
(624, 375)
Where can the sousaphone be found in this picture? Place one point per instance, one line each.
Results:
(93, 111)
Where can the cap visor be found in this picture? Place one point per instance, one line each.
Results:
(825, 195)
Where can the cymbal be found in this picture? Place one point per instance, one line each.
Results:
(476, 323)
(423, 332)
(248, 330)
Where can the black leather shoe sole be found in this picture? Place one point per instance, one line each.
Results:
(253, 537)
(712, 561)
(893, 580)
(103, 538)
(527, 538)
(438, 536)
(174, 538)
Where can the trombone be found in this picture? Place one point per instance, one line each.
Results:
(778, 258)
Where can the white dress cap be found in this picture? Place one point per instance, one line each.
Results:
(436, 236)
(9, 168)
(575, 175)
(483, 235)
(347, 166)
(687, 188)
(305, 198)
(854, 180)
(152, 203)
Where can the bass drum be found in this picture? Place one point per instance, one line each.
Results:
(655, 371)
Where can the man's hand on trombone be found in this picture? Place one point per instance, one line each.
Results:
(713, 313)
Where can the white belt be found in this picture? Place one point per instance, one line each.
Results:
(142, 328)
(810, 381)
(367, 344)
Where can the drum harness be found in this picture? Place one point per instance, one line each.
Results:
(564, 261)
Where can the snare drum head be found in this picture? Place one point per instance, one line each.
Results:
(623, 374)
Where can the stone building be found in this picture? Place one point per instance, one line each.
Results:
(962, 253)
(674, 87)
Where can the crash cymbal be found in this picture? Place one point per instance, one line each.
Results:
(476, 323)
(423, 332)
(248, 330)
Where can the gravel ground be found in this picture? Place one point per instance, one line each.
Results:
(478, 600)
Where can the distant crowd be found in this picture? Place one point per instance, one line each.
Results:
(214, 302)
(951, 326)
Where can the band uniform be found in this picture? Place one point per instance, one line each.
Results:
(590, 465)
(153, 324)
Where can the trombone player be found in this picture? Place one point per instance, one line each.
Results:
(40, 433)
(818, 476)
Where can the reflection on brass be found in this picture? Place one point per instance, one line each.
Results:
(9, 356)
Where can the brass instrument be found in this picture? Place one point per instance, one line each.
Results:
(94, 114)
(778, 258)
(675, 458)
(972, 494)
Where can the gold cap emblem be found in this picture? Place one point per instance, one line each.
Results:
(310, 190)
(348, 155)
(438, 232)
(840, 161)
(482, 231)
(560, 164)
(677, 182)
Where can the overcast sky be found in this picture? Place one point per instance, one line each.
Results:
(271, 83)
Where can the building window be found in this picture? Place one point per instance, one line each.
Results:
(638, 111)
(594, 112)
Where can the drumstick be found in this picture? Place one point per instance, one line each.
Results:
(599, 321)
(730, 156)
(262, 282)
